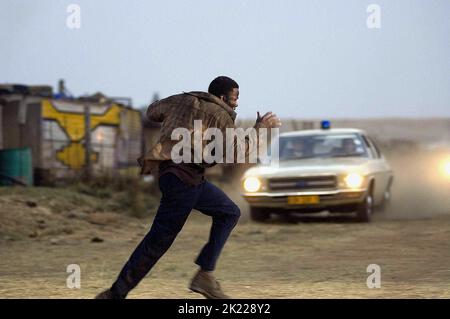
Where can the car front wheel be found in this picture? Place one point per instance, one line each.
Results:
(386, 200)
(259, 214)
(365, 209)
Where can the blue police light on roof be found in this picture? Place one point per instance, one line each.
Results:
(325, 125)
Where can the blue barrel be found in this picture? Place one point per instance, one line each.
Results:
(16, 165)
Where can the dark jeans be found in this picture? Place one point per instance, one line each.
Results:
(178, 199)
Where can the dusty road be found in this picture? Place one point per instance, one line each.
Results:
(310, 259)
(42, 231)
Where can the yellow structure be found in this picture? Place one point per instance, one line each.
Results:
(115, 135)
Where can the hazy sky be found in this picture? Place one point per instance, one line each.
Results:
(303, 59)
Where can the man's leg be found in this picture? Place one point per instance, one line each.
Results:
(225, 214)
(176, 204)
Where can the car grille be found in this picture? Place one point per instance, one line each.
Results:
(303, 183)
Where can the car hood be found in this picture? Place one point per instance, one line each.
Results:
(315, 166)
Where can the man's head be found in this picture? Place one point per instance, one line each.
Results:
(298, 145)
(225, 89)
(349, 145)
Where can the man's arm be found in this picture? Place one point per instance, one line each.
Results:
(154, 112)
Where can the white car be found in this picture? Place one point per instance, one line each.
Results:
(338, 170)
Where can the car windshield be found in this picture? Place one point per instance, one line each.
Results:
(321, 146)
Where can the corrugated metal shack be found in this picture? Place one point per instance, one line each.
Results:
(54, 128)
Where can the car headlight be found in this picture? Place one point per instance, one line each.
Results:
(354, 180)
(252, 184)
(446, 167)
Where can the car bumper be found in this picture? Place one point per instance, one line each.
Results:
(327, 199)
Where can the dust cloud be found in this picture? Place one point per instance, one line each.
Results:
(421, 188)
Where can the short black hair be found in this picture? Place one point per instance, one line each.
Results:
(222, 85)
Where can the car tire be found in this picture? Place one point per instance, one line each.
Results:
(259, 214)
(386, 199)
(365, 209)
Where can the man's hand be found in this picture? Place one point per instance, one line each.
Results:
(268, 120)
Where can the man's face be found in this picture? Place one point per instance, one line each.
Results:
(349, 146)
(298, 146)
(232, 98)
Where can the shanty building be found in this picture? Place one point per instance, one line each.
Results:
(67, 136)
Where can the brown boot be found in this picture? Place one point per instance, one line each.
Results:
(107, 294)
(205, 284)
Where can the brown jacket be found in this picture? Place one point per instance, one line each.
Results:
(180, 111)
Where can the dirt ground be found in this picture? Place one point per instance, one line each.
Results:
(311, 259)
(308, 257)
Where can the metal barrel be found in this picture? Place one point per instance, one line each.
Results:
(16, 166)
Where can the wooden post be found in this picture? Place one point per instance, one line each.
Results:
(87, 143)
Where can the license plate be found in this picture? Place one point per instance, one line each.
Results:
(302, 200)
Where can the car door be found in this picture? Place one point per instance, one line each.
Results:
(380, 170)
